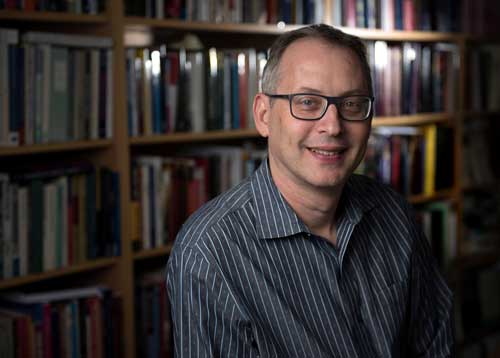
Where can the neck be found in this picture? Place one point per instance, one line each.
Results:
(316, 207)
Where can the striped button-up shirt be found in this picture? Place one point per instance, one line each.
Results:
(247, 278)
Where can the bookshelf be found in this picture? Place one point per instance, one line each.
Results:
(120, 272)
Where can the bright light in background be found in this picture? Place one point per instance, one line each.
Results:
(281, 25)
(212, 54)
(155, 63)
(412, 55)
(380, 54)
(241, 63)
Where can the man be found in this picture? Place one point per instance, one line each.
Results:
(305, 259)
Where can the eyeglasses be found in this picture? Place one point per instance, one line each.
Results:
(311, 107)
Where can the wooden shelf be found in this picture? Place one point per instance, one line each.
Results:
(141, 23)
(475, 259)
(54, 17)
(412, 120)
(54, 147)
(209, 136)
(32, 278)
(156, 252)
(472, 114)
(188, 137)
(423, 199)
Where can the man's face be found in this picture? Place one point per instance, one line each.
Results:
(317, 154)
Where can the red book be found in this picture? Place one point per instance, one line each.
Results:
(272, 11)
(409, 15)
(350, 13)
(96, 333)
(29, 5)
(47, 331)
(10, 4)
(396, 162)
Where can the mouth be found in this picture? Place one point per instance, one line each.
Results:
(328, 152)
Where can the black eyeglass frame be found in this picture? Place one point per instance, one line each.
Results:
(330, 100)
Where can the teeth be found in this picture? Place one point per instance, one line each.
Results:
(324, 152)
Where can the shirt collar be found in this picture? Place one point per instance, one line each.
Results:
(274, 216)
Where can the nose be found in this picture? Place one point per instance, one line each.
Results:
(331, 123)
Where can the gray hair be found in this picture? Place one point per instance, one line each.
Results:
(322, 32)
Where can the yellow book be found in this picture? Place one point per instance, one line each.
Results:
(430, 134)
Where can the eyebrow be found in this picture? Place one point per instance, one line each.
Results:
(311, 90)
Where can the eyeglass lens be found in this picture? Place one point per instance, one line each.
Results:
(313, 107)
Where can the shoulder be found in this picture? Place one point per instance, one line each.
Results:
(374, 192)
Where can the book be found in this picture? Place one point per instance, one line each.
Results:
(53, 295)
(72, 40)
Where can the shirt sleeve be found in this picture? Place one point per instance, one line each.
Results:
(432, 329)
(207, 319)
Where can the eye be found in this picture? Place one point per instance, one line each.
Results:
(308, 102)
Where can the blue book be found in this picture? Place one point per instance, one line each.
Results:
(235, 95)
(285, 11)
(75, 329)
(55, 332)
(398, 14)
(20, 91)
(116, 214)
(308, 11)
(14, 87)
(156, 322)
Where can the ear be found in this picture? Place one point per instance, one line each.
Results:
(261, 114)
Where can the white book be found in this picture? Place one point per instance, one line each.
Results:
(78, 90)
(67, 40)
(160, 6)
(8, 240)
(197, 91)
(227, 91)
(94, 94)
(253, 83)
(49, 237)
(319, 11)
(386, 15)
(39, 95)
(109, 94)
(132, 93)
(14, 229)
(78, 6)
(46, 77)
(62, 221)
(204, 10)
(146, 99)
(399, 130)
(154, 162)
(24, 224)
(52, 296)
(29, 93)
(336, 12)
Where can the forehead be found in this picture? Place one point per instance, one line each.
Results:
(317, 64)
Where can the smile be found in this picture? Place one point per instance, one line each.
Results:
(329, 153)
